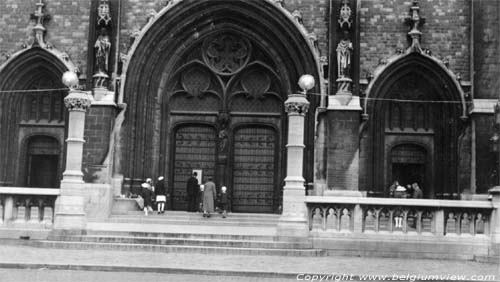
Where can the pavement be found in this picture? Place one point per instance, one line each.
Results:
(255, 267)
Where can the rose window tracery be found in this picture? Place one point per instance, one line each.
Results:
(226, 54)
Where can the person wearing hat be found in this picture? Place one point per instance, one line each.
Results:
(147, 193)
(161, 194)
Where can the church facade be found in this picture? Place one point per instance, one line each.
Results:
(405, 90)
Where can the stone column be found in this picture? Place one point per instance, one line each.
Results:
(293, 221)
(70, 212)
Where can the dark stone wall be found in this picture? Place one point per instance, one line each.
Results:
(485, 159)
(486, 48)
(342, 150)
(98, 126)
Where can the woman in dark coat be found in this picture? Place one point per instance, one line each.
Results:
(209, 195)
(161, 194)
(147, 193)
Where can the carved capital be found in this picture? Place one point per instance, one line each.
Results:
(296, 104)
(78, 101)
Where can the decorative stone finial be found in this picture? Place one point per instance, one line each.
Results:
(415, 22)
(103, 13)
(345, 18)
(39, 29)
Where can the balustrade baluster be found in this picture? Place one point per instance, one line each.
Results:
(458, 223)
(1, 210)
(405, 221)
(439, 223)
(419, 221)
(324, 214)
(377, 220)
(391, 220)
(472, 223)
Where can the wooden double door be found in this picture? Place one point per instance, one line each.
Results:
(245, 159)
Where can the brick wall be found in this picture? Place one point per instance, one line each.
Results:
(446, 31)
(314, 15)
(67, 30)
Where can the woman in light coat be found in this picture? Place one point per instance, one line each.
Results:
(209, 195)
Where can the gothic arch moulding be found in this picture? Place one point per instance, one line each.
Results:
(157, 55)
(423, 64)
(436, 113)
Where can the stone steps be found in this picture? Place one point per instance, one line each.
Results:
(228, 250)
(180, 218)
(178, 241)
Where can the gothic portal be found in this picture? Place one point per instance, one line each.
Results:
(214, 102)
(416, 123)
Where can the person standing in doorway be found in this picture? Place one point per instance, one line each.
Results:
(192, 192)
(209, 196)
(417, 192)
(161, 194)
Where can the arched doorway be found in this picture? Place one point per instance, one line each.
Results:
(416, 111)
(222, 73)
(43, 162)
(37, 109)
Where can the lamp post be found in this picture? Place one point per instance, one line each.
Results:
(293, 221)
(70, 212)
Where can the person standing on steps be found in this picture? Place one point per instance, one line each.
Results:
(147, 193)
(209, 196)
(223, 201)
(193, 189)
(161, 195)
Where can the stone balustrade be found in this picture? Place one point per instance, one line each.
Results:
(399, 216)
(27, 207)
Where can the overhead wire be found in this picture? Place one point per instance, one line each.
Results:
(309, 93)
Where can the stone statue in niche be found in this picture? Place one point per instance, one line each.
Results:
(102, 48)
(344, 53)
(223, 133)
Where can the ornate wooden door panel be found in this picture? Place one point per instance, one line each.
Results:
(255, 167)
(194, 149)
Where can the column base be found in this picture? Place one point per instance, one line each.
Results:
(292, 228)
(293, 221)
(70, 221)
(70, 212)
